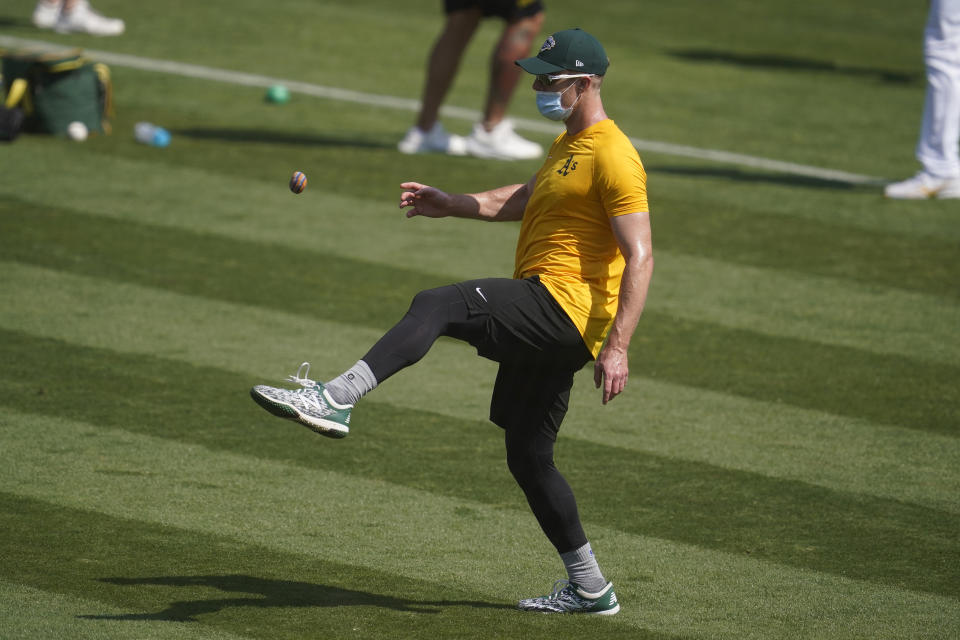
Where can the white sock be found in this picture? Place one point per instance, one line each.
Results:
(352, 384)
(582, 569)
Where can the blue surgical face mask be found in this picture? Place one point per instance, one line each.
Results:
(550, 104)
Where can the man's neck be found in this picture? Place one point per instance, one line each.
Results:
(587, 114)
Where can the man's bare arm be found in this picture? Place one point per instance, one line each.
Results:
(496, 205)
(632, 232)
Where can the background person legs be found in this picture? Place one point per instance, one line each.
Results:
(75, 16)
(938, 148)
(428, 134)
(494, 136)
(445, 61)
(515, 43)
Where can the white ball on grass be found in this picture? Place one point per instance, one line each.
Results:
(77, 131)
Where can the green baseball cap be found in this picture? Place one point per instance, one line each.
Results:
(572, 49)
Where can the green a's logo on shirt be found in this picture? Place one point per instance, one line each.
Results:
(568, 166)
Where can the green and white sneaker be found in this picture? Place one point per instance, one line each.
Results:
(568, 597)
(310, 405)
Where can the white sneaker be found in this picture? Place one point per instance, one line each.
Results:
(502, 143)
(437, 140)
(45, 15)
(83, 19)
(923, 186)
(311, 405)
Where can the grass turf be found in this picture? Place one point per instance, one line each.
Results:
(783, 465)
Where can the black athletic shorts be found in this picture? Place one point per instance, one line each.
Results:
(537, 345)
(509, 10)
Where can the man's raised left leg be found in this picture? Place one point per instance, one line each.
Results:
(325, 407)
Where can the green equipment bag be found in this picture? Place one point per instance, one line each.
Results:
(54, 89)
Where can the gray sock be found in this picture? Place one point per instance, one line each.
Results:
(583, 569)
(352, 384)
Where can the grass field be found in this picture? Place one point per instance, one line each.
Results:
(784, 464)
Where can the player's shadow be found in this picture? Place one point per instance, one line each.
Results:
(791, 63)
(272, 594)
(266, 136)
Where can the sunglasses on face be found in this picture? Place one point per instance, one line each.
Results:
(547, 80)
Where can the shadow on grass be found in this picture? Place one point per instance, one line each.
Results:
(15, 21)
(273, 593)
(739, 175)
(790, 63)
(265, 136)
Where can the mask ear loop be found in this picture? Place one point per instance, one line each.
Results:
(587, 81)
(579, 94)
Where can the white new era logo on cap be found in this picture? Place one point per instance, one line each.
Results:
(579, 64)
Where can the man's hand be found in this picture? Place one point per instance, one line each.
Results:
(611, 371)
(425, 200)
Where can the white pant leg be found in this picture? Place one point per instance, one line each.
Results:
(938, 149)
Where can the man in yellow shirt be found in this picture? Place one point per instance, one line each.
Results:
(583, 266)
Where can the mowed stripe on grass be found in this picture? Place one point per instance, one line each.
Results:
(729, 291)
(255, 501)
(783, 521)
(655, 417)
(886, 389)
(759, 233)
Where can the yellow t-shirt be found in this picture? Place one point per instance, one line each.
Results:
(565, 236)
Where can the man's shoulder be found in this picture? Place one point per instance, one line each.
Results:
(612, 143)
(612, 133)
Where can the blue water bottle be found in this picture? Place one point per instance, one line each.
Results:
(151, 134)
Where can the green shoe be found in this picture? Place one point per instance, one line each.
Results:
(568, 597)
(310, 405)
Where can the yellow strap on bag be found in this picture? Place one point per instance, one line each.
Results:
(66, 65)
(18, 92)
(103, 75)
